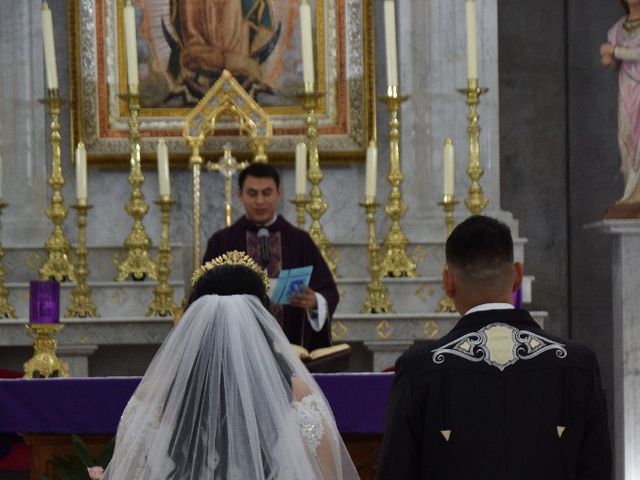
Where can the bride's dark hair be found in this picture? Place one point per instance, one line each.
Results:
(230, 280)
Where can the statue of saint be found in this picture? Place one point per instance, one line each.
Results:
(622, 53)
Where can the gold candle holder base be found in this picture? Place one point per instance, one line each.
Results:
(81, 304)
(137, 262)
(6, 309)
(163, 304)
(475, 201)
(58, 265)
(396, 261)
(448, 204)
(316, 204)
(45, 363)
(377, 300)
(300, 201)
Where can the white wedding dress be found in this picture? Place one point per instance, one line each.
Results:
(226, 398)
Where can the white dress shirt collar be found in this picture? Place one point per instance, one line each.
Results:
(490, 306)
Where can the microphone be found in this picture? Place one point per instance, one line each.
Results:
(263, 237)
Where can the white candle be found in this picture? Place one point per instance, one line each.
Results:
(131, 46)
(448, 167)
(301, 168)
(390, 42)
(371, 170)
(163, 169)
(307, 44)
(472, 47)
(81, 173)
(49, 48)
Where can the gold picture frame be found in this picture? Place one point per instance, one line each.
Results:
(345, 74)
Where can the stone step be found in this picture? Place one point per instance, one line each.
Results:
(113, 299)
(21, 264)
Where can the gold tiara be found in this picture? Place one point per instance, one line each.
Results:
(233, 257)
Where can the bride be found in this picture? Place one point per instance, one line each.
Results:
(225, 396)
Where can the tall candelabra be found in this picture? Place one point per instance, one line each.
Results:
(475, 201)
(300, 201)
(6, 309)
(448, 203)
(163, 304)
(377, 300)
(396, 261)
(45, 362)
(316, 204)
(58, 265)
(137, 263)
(81, 304)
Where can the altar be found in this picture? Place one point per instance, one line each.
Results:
(47, 411)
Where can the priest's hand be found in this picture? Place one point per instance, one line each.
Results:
(306, 299)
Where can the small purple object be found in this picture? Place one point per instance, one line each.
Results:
(516, 298)
(44, 301)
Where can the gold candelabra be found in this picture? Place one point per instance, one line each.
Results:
(163, 304)
(475, 201)
(448, 203)
(137, 263)
(316, 204)
(58, 265)
(6, 309)
(45, 363)
(377, 294)
(396, 261)
(81, 304)
(300, 201)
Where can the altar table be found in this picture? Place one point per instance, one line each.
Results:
(47, 411)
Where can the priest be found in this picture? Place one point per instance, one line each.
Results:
(276, 244)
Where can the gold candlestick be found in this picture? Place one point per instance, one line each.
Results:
(316, 204)
(377, 294)
(137, 263)
(163, 304)
(475, 201)
(81, 304)
(58, 265)
(45, 363)
(396, 261)
(448, 203)
(6, 309)
(300, 201)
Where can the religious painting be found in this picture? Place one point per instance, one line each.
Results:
(184, 46)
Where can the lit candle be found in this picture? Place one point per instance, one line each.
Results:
(163, 169)
(131, 46)
(81, 173)
(448, 161)
(390, 42)
(301, 168)
(472, 47)
(307, 44)
(49, 48)
(371, 170)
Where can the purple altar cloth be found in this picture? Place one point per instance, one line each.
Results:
(94, 405)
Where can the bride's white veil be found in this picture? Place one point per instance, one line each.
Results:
(226, 398)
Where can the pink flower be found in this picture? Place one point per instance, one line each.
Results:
(95, 473)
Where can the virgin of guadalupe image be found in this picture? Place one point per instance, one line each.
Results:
(209, 36)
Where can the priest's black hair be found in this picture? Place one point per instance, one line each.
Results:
(480, 243)
(626, 7)
(230, 280)
(260, 170)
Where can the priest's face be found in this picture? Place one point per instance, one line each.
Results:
(260, 197)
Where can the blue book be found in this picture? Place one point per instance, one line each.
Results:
(290, 281)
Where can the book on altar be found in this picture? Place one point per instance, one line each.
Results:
(335, 358)
(289, 281)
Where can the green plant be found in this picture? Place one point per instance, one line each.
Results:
(74, 466)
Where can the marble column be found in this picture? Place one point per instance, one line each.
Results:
(625, 236)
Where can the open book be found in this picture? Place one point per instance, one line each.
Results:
(327, 359)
